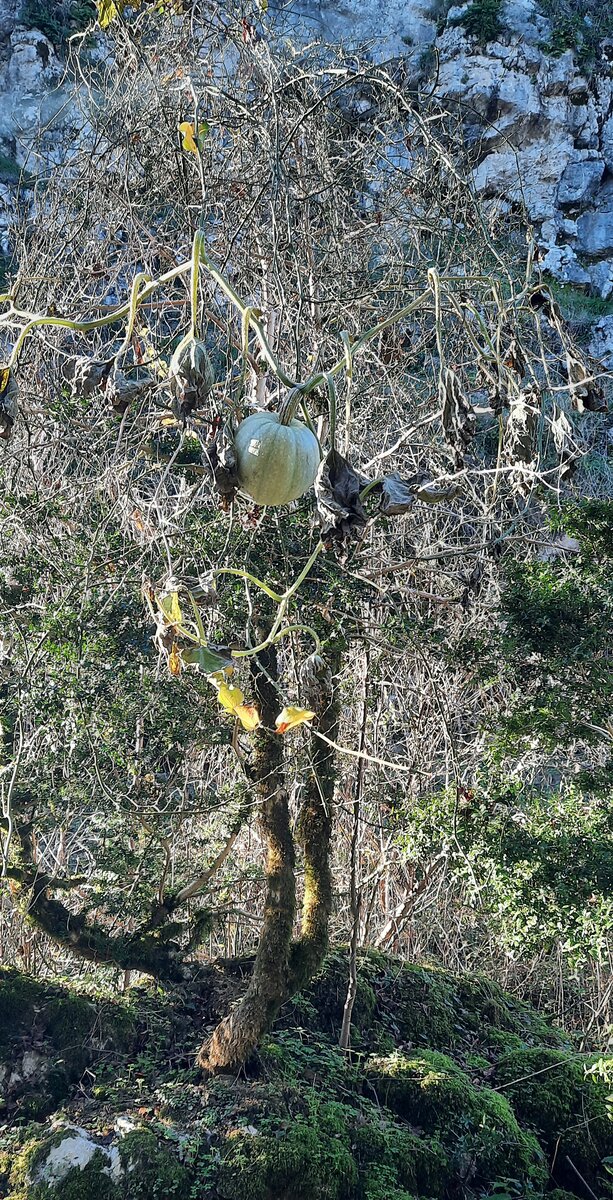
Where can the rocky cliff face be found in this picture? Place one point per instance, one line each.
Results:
(541, 128)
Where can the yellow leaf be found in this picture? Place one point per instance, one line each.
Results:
(230, 698)
(248, 716)
(174, 660)
(188, 140)
(290, 718)
(5, 375)
(171, 608)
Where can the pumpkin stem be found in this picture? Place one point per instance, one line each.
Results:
(289, 406)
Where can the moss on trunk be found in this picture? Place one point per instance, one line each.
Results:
(237, 1035)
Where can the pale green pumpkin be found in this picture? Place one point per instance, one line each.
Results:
(276, 462)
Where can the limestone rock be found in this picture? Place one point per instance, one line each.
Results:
(580, 182)
(75, 1148)
(562, 263)
(33, 66)
(595, 231)
(601, 345)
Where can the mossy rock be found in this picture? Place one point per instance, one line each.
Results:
(140, 1167)
(298, 1163)
(60, 1031)
(476, 1126)
(328, 992)
(417, 1163)
(399, 1002)
(552, 1094)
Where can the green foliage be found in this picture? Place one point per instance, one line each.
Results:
(58, 20)
(482, 20)
(578, 25)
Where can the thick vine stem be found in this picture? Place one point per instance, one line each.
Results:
(237, 1035)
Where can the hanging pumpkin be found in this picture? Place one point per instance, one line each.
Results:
(277, 457)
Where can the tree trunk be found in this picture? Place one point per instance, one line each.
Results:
(237, 1035)
(315, 824)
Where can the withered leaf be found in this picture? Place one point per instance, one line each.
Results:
(564, 442)
(457, 415)
(337, 490)
(122, 392)
(586, 392)
(86, 375)
(397, 495)
(521, 426)
(220, 458)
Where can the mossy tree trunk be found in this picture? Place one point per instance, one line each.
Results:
(238, 1034)
(150, 948)
(316, 823)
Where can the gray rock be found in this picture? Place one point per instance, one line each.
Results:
(601, 276)
(601, 345)
(33, 66)
(595, 232)
(606, 143)
(563, 264)
(580, 181)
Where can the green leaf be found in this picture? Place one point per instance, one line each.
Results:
(206, 658)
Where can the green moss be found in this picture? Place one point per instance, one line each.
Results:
(551, 1093)
(152, 1170)
(328, 993)
(19, 997)
(300, 1162)
(475, 1125)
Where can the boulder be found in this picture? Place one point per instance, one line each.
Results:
(601, 276)
(595, 231)
(563, 264)
(33, 66)
(73, 1149)
(580, 182)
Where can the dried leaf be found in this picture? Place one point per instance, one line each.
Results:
(219, 456)
(86, 375)
(122, 391)
(565, 442)
(520, 431)
(337, 490)
(586, 392)
(457, 414)
(397, 496)
(290, 718)
(174, 660)
(190, 376)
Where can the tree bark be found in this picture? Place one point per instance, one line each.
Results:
(237, 1035)
(316, 823)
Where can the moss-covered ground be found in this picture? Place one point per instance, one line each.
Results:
(453, 1090)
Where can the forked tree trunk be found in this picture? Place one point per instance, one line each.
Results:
(238, 1034)
(281, 969)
